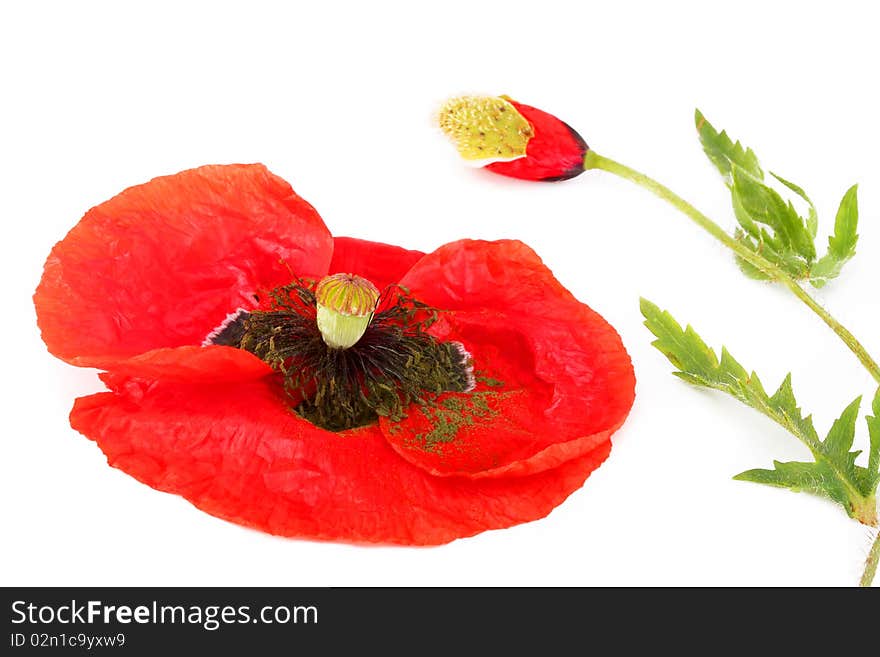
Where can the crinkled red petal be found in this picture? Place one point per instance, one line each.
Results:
(236, 452)
(381, 264)
(194, 364)
(162, 264)
(556, 152)
(554, 380)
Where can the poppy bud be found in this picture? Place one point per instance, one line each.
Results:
(513, 139)
(346, 303)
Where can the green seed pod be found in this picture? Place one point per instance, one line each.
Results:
(346, 303)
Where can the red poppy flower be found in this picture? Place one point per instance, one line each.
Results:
(513, 139)
(142, 279)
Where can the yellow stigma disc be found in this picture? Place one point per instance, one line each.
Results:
(485, 128)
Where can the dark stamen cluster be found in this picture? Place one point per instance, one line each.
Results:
(395, 363)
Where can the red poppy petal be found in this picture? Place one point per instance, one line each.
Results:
(556, 152)
(568, 382)
(163, 263)
(236, 452)
(381, 264)
(194, 364)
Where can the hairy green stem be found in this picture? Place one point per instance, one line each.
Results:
(871, 563)
(595, 161)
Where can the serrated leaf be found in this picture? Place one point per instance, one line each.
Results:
(874, 433)
(683, 347)
(842, 244)
(834, 473)
(745, 266)
(783, 402)
(839, 442)
(791, 263)
(815, 478)
(723, 151)
(731, 368)
(763, 205)
(813, 217)
(747, 226)
(698, 363)
(775, 229)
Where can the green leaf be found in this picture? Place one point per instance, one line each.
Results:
(834, 474)
(748, 226)
(722, 151)
(684, 348)
(874, 433)
(793, 265)
(842, 244)
(840, 439)
(815, 478)
(773, 227)
(763, 205)
(697, 363)
(813, 217)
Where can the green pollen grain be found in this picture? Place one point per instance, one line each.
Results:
(453, 403)
(452, 414)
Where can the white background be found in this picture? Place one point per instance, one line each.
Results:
(337, 98)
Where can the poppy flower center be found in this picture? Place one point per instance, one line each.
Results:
(347, 354)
